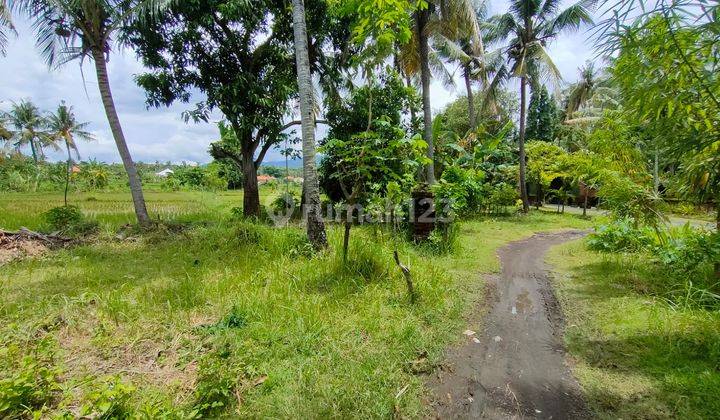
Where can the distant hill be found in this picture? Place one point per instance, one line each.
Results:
(296, 163)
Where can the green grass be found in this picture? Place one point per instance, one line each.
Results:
(636, 355)
(232, 318)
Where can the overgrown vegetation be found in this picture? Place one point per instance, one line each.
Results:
(247, 321)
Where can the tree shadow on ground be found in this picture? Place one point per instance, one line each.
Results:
(674, 352)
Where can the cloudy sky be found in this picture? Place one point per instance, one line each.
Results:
(161, 134)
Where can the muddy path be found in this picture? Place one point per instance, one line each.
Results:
(513, 366)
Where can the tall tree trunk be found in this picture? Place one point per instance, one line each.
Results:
(586, 202)
(413, 115)
(35, 159)
(346, 237)
(251, 193)
(67, 173)
(717, 229)
(112, 116)
(470, 98)
(421, 19)
(656, 172)
(315, 225)
(33, 151)
(521, 145)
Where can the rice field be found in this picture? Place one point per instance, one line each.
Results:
(113, 209)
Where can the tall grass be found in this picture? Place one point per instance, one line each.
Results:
(640, 349)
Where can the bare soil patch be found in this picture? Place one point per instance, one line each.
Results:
(26, 243)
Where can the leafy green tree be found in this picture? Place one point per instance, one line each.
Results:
(542, 119)
(367, 162)
(543, 166)
(572, 137)
(64, 127)
(383, 100)
(586, 171)
(67, 30)
(240, 56)
(273, 171)
(680, 109)
(528, 27)
(616, 141)
(670, 84)
(505, 105)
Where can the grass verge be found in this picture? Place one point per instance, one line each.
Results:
(636, 354)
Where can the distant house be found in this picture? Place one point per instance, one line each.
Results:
(264, 179)
(165, 173)
(75, 169)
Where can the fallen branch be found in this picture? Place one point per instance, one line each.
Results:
(407, 275)
(50, 240)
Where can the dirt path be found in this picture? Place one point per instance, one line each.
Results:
(514, 366)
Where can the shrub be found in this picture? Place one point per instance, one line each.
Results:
(68, 219)
(16, 182)
(620, 236)
(630, 201)
(61, 218)
(462, 188)
(110, 401)
(502, 196)
(444, 239)
(683, 258)
(286, 204)
(687, 250)
(170, 183)
(28, 383)
(215, 385)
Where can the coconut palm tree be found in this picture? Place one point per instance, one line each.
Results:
(6, 25)
(588, 98)
(315, 225)
(77, 29)
(440, 21)
(468, 51)
(28, 124)
(63, 127)
(528, 27)
(581, 91)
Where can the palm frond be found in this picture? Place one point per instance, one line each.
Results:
(500, 27)
(572, 18)
(545, 65)
(490, 93)
(525, 9)
(440, 70)
(450, 50)
(5, 25)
